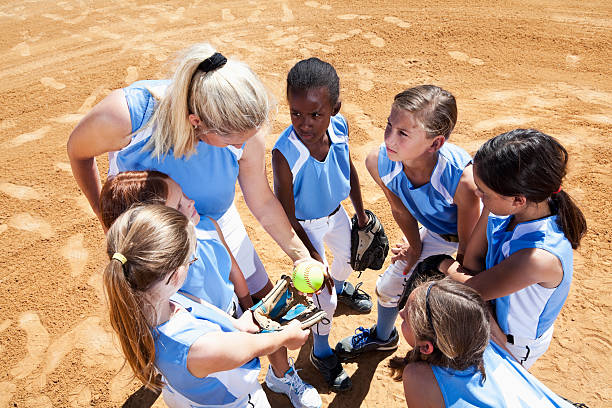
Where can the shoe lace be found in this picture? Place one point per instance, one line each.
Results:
(295, 382)
(361, 335)
(360, 294)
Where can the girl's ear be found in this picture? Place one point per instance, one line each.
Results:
(519, 201)
(437, 143)
(194, 120)
(336, 108)
(425, 347)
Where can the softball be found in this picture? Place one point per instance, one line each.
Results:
(308, 276)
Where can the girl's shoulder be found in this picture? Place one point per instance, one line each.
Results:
(421, 386)
(455, 156)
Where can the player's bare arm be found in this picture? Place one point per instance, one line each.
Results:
(283, 189)
(411, 250)
(468, 209)
(107, 127)
(263, 203)
(523, 268)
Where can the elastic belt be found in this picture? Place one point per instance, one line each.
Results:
(450, 237)
(330, 214)
(519, 341)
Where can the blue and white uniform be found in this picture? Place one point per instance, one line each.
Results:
(208, 177)
(208, 277)
(173, 339)
(507, 384)
(318, 190)
(431, 204)
(529, 314)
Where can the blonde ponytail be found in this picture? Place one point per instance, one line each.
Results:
(229, 99)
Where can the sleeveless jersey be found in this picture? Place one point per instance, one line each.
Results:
(432, 203)
(531, 311)
(318, 187)
(208, 277)
(208, 176)
(172, 342)
(507, 384)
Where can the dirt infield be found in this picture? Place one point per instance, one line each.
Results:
(519, 64)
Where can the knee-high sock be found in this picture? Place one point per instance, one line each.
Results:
(386, 321)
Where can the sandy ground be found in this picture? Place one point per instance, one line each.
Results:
(510, 64)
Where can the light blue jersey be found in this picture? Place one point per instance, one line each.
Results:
(172, 342)
(531, 311)
(208, 277)
(432, 203)
(208, 176)
(318, 187)
(507, 385)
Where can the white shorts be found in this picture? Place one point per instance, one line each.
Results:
(527, 351)
(335, 231)
(390, 284)
(242, 248)
(256, 399)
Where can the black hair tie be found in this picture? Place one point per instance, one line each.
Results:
(215, 61)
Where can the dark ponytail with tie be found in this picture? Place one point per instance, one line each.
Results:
(530, 163)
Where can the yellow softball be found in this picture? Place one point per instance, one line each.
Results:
(308, 276)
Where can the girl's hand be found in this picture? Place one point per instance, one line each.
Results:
(362, 219)
(295, 337)
(404, 252)
(328, 282)
(245, 323)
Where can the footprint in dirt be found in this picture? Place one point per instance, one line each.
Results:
(20, 192)
(75, 254)
(316, 4)
(287, 14)
(375, 40)
(461, 56)
(52, 83)
(36, 345)
(226, 15)
(28, 222)
(27, 137)
(397, 21)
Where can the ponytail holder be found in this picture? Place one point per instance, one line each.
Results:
(558, 191)
(119, 257)
(212, 63)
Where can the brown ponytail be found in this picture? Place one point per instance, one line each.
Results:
(154, 240)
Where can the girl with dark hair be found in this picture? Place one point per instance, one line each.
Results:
(454, 363)
(206, 358)
(520, 254)
(313, 174)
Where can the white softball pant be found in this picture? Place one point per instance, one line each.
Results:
(334, 231)
(256, 399)
(390, 283)
(527, 351)
(241, 247)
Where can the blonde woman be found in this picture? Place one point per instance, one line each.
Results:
(203, 129)
(206, 357)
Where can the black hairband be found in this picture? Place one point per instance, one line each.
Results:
(428, 309)
(215, 61)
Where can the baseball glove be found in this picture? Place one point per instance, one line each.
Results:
(283, 304)
(369, 245)
(424, 271)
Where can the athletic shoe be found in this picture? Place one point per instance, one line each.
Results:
(336, 378)
(355, 297)
(363, 341)
(301, 394)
